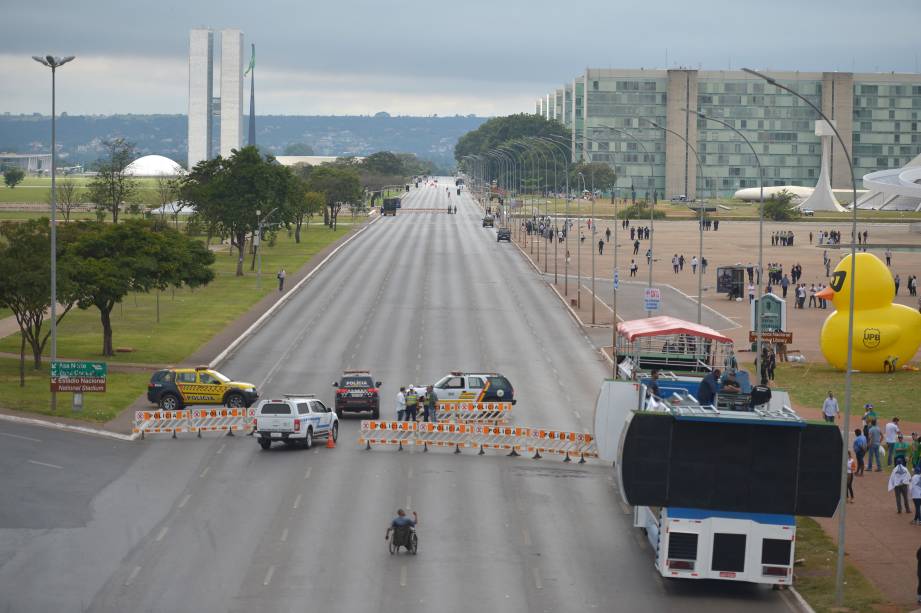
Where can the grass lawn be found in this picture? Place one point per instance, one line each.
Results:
(815, 578)
(123, 389)
(890, 394)
(34, 190)
(189, 318)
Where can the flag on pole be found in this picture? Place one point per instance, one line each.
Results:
(252, 61)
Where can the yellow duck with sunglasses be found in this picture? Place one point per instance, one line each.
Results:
(886, 335)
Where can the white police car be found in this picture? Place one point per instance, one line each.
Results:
(294, 419)
(475, 387)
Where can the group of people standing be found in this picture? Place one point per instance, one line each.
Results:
(783, 238)
(409, 400)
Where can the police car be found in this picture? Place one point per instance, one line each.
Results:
(293, 419)
(173, 388)
(475, 387)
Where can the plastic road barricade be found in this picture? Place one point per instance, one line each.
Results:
(479, 412)
(386, 433)
(161, 422)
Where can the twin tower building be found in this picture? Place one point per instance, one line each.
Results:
(206, 109)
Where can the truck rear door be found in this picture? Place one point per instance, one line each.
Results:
(275, 417)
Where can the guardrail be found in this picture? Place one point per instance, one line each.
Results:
(459, 436)
(194, 421)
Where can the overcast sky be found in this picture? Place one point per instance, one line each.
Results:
(422, 57)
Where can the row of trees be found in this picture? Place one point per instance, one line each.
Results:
(98, 264)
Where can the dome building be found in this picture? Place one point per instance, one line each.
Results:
(154, 166)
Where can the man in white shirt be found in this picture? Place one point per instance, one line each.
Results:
(891, 437)
(401, 404)
(830, 408)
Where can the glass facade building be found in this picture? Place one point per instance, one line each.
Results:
(876, 114)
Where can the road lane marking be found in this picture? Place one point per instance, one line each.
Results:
(577, 414)
(284, 535)
(185, 500)
(163, 532)
(204, 472)
(307, 472)
(268, 575)
(536, 572)
(23, 438)
(45, 464)
(403, 576)
(409, 473)
(525, 537)
(221, 450)
(297, 501)
(132, 576)
(409, 502)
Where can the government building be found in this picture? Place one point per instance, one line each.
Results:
(606, 110)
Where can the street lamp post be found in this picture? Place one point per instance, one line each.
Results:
(53, 62)
(260, 225)
(842, 507)
(700, 220)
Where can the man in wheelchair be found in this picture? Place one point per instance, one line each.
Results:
(402, 528)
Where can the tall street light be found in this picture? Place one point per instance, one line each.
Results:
(53, 62)
(842, 507)
(700, 221)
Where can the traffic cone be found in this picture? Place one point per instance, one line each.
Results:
(330, 443)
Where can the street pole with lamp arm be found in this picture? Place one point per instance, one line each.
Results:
(513, 154)
(758, 341)
(842, 508)
(260, 224)
(700, 220)
(553, 231)
(579, 249)
(565, 216)
(53, 62)
(555, 210)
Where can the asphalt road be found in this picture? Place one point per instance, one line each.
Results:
(216, 524)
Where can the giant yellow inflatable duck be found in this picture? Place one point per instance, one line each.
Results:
(885, 334)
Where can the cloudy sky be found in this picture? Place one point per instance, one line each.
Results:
(421, 57)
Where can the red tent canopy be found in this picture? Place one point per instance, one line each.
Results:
(665, 326)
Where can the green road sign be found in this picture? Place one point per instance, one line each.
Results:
(63, 369)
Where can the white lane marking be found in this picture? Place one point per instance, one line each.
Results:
(419, 356)
(67, 427)
(525, 537)
(409, 502)
(268, 575)
(184, 501)
(163, 532)
(403, 576)
(221, 450)
(297, 501)
(284, 535)
(45, 464)
(307, 472)
(577, 414)
(22, 438)
(204, 472)
(536, 572)
(133, 576)
(409, 473)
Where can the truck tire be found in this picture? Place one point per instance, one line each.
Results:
(235, 400)
(308, 439)
(335, 433)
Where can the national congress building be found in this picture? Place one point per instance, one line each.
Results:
(877, 114)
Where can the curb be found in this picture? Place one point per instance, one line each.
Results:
(67, 427)
(805, 606)
(228, 351)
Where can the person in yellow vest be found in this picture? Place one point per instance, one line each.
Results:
(412, 403)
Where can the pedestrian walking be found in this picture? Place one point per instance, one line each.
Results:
(675, 263)
(915, 453)
(600, 247)
(892, 437)
(914, 487)
(694, 265)
(751, 292)
(851, 468)
(888, 256)
(401, 404)
(281, 279)
(607, 235)
(874, 438)
(649, 257)
(898, 483)
(898, 282)
(633, 268)
(860, 449)
(901, 449)
(636, 245)
(830, 408)
(681, 262)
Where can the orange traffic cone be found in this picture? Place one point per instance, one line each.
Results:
(330, 443)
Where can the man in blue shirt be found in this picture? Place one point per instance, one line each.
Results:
(706, 393)
(860, 448)
(401, 521)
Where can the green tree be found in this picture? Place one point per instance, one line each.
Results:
(777, 207)
(112, 187)
(168, 195)
(339, 185)
(13, 176)
(226, 193)
(25, 283)
(304, 208)
(383, 163)
(600, 175)
(66, 195)
(499, 130)
(298, 149)
(110, 260)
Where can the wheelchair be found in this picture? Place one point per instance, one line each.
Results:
(404, 536)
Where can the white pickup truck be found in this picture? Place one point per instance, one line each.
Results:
(293, 419)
